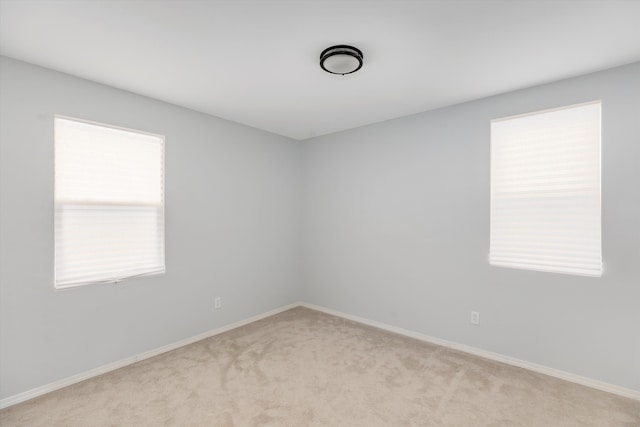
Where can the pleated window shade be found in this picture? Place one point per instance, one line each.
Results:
(109, 203)
(545, 191)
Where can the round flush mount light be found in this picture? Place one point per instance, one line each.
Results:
(341, 59)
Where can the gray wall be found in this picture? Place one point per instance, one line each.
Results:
(232, 214)
(396, 229)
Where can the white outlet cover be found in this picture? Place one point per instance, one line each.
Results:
(475, 318)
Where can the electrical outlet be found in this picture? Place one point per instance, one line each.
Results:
(475, 318)
(217, 303)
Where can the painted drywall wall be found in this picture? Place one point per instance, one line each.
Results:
(232, 196)
(396, 230)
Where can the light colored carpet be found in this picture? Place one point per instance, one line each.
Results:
(305, 368)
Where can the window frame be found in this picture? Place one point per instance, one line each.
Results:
(162, 207)
(539, 267)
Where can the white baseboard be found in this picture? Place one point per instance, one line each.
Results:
(568, 376)
(64, 382)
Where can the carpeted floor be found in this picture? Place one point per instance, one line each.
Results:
(305, 368)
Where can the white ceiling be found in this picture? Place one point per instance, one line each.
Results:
(256, 62)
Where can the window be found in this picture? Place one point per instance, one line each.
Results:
(109, 203)
(545, 191)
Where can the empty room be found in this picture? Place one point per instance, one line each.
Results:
(320, 213)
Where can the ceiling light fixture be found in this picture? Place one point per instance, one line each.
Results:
(341, 59)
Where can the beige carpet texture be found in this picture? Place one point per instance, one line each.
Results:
(306, 368)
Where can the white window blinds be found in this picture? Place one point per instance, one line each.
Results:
(109, 203)
(545, 191)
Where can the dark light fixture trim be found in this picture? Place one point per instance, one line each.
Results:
(343, 50)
